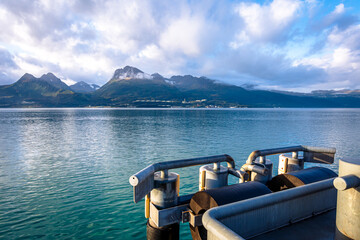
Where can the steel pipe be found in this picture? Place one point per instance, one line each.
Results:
(255, 168)
(346, 182)
(348, 200)
(143, 174)
(273, 151)
(238, 173)
(221, 231)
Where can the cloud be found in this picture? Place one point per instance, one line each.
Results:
(338, 17)
(266, 69)
(6, 59)
(340, 58)
(183, 35)
(92, 40)
(345, 37)
(295, 65)
(7, 66)
(283, 44)
(267, 23)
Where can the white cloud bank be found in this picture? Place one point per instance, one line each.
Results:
(266, 23)
(281, 44)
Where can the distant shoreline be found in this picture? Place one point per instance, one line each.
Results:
(179, 108)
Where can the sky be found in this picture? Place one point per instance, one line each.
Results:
(288, 45)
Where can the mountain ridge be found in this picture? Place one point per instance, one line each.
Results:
(128, 73)
(131, 87)
(83, 87)
(55, 81)
(46, 91)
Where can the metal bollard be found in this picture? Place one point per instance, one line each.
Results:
(263, 178)
(164, 195)
(213, 176)
(289, 163)
(348, 200)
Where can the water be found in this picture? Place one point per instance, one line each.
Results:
(64, 172)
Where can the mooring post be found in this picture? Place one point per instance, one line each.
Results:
(164, 195)
(348, 200)
(212, 176)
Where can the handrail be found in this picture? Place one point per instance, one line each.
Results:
(211, 218)
(143, 174)
(273, 151)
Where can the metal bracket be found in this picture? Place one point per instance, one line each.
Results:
(185, 216)
(316, 157)
(195, 220)
(167, 216)
(143, 188)
(191, 218)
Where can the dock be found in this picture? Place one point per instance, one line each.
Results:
(298, 203)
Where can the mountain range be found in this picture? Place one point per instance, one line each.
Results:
(83, 87)
(131, 87)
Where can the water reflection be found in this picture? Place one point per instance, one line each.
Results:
(64, 172)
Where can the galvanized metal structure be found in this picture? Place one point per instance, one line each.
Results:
(160, 187)
(143, 181)
(348, 207)
(311, 154)
(257, 216)
(249, 218)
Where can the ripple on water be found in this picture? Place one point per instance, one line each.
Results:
(64, 172)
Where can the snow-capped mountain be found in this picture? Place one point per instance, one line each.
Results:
(94, 86)
(130, 86)
(129, 72)
(83, 87)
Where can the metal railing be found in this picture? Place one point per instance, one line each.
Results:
(143, 182)
(258, 215)
(302, 148)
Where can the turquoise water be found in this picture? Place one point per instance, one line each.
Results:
(64, 172)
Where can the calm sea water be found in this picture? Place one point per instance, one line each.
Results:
(64, 172)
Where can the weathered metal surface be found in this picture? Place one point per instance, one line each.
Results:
(287, 163)
(263, 178)
(191, 218)
(319, 157)
(257, 168)
(195, 220)
(348, 208)
(283, 164)
(240, 174)
(213, 178)
(255, 216)
(167, 216)
(143, 181)
(323, 152)
(142, 175)
(186, 216)
(143, 188)
(346, 182)
(319, 227)
(164, 194)
(204, 200)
